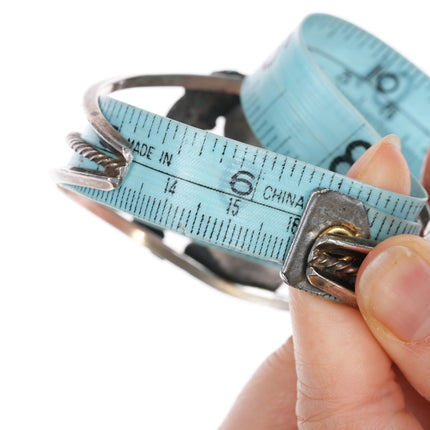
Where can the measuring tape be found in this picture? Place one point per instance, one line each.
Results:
(326, 94)
(332, 89)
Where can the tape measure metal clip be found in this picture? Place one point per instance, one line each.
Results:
(331, 241)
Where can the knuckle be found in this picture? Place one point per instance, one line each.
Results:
(282, 357)
(320, 403)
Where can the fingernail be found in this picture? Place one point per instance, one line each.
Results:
(395, 290)
(384, 166)
(393, 139)
(365, 163)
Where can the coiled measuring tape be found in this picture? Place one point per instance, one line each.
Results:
(327, 94)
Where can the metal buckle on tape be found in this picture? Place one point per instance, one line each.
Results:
(331, 241)
(424, 218)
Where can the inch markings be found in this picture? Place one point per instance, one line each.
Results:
(249, 199)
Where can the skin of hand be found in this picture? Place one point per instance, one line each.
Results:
(348, 368)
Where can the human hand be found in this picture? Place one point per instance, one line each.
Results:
(345, 368)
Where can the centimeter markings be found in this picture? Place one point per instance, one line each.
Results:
(384, 58)
(390, 109)
(189, 218)
(252, 164)
(231, 195)
(398, 92)
(220, 231)
(250, 200)
(388, 90)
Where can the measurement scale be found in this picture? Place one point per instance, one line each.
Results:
(326, 94)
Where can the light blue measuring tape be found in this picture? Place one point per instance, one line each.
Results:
(329, 92)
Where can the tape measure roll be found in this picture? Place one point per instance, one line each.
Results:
(249, 200)
(331, 90)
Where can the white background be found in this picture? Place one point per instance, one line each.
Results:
(96, 332)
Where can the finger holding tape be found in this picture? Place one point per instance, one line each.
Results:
(324, 395)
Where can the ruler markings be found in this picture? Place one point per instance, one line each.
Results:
(268, 244)
(132, 201)
(126, 199)
(262, 243)
(409, 209)
(137, 121)
(163, 210)
(250, 240)
(195, 217)
(219, 230)
(166, 222)
(232, 234)
(188, 218)
(375, 216)
(259, 176)
(203, 144)
(167, 130)
(258, 237)
(193, 140)
(152, 208)
(213, 228)
(244, 237)
(244, 156)
(200, 224)
(273, 246)
(223, 152)
(141, 205)
(390, 227)
(263, 238)
(226, 230)
(238, 236)
(144, 121)
(160, 120)
(151, 127)
(182, 140)
(147, 205)
(207, 225)
(180, 219)
(359, 192)
(227, 193)
(137, 200)
(174, 217)
(380, 228)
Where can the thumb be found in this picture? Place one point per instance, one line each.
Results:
(393, 293)
(332, 391)
(393, 284)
